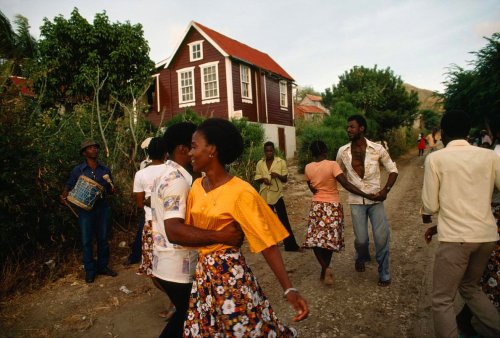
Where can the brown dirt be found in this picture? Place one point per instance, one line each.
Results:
(353, 307)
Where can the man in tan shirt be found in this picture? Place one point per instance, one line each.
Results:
(458, 184)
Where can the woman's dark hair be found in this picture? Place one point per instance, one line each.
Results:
(318, 148)
(456, 124)
(225, 137)
(156, 149)
(360, 119)
(179, 134)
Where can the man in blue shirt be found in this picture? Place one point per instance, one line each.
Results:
(94, 222)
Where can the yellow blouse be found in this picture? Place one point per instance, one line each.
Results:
(238, 201)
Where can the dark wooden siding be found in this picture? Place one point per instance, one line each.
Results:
(249, 109)
(274, 112)
(169, 91)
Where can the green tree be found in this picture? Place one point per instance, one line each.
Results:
(77, 57)
(380, 94)
(477, 91)
(17, 47)
(431, 119)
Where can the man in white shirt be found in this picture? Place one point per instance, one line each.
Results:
(173, 264)
(458, 184)
(360, 160)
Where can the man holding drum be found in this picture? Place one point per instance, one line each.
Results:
(92, 178)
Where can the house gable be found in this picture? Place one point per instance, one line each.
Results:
(204, 57)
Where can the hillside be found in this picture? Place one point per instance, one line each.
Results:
(426, 98)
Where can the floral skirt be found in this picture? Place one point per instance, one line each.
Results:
(227, 301)
(490, 281)
(326, 226)
(146, 266)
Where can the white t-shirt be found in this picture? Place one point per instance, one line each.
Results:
(143, 182)
(171, 262)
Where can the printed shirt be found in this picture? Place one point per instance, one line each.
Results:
(370, 183)
(271, 193)
(96, 175)
(234, 201)
(458, 184)
(171, 262)
(143, 182)
(321, 176)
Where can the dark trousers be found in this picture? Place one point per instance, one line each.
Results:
(280, 209)
(136, 254)
(95, 223)
(179, 295)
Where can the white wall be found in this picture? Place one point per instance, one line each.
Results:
(271, 134)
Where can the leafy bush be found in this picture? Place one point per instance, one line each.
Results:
(332, 131)
(253, 138)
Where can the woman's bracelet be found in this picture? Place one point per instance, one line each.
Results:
(287, 291)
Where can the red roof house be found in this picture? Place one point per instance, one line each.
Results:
(217, 76)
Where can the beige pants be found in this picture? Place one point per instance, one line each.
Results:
(459, 267)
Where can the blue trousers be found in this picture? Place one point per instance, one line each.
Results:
(381, 235)
(95, 223)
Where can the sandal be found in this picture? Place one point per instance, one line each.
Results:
(359, 266)
(384, 283)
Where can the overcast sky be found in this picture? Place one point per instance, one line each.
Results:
(314, 41)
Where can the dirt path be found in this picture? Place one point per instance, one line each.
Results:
(354, 307)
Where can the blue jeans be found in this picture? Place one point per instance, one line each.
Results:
(95, 223)
(381, 235)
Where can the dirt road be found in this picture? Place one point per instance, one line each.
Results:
(353, 307)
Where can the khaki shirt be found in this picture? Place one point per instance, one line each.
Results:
(458, 184)
(271, 193)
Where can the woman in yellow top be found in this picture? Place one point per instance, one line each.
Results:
(226, 299)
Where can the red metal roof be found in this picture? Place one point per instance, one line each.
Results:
(243, 52)
(301, 109)
(313, 97)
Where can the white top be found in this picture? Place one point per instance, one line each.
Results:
(370, 183)
(171, 262)
(143, 182)
(458, 183)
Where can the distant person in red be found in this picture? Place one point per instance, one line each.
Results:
(421, 144)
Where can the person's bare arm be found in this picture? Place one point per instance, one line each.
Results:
(352, 188)
(187, 235)
(388, 186)
(139, 199)
(275, 262)
(282, 178)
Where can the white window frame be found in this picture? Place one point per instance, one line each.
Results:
(283, 95)
(192, 45)
(204, 98)
(247, 98)
(186, 103)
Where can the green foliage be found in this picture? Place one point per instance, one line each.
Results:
(400, 140)
(76, 56)
(431, 119)
(253, 139)
(380, 94)
(477, 91)
(17, 47)
(332, 131)
(188, 115)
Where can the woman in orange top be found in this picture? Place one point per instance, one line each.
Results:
(325, 233)
(226, 299)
